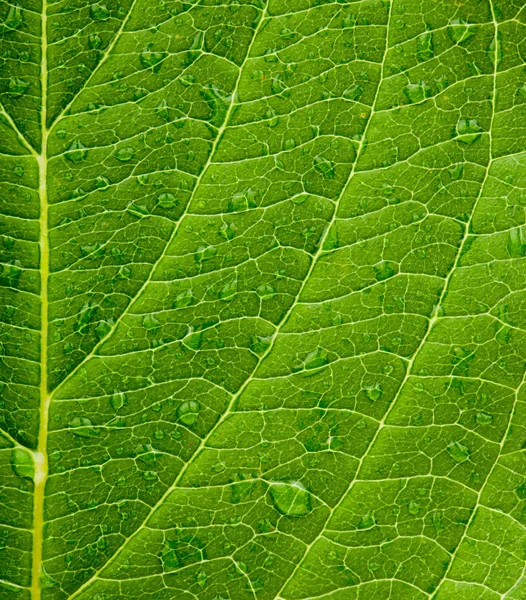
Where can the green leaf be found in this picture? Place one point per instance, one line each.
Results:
(262, 289)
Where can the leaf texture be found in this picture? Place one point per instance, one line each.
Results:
(262, 279)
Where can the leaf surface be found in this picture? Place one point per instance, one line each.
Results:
(262, 300)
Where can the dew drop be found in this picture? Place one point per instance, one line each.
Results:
(167, 200)
(84, 318)
(228, 231)
(460, 31)
(483, 418)
(99, 12)
(416, 92)
(22, 463)
(101, 182)
(124, 272)
(458, 452)
(15, 17)
(468, 131)
(259, 343)
(94, 41)
(102, 329)
(424, 46)
(150, 322)
(183, 299)
(149, 476)
(324, 166)
(118, 400)
(188, 412)
(205, 253)
(374, 392)
(125, 154)
(290, 499)
(265, 290)
(316, 358)
(17, 87)
(77, 152)
(367, 521)
(83, 427)
(517, 242)
(353, 93)
(228, 291)
(242, 201)
(384, 270)
(151, 59)
(413, 508)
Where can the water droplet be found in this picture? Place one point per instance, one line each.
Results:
(228, 291)
(243, 200)
(118, 400)
(384, 270)
(260, 344)
(228, 231)
(324, 166)
(316, 358)
(353, 93)
(460, 31)
(124, 272)
(289, 144)
(517, 242)
(367, 521)
(149, 476)
(150, 322)
(265, 290)
(101, 182)
(201, 579)
(188, 412)
(167, 200)
(413, 508)
(424, 46)
(84, 318)
(468, 131)
(15, 17)
(205, 253)
(17, 87)
(290, 499)
(94, 41)
(183, 299)
(19, 171)
(483, 418)
(278, 85)
(77, 152)
(102, 329)
(374, 392)
(218, 104)
(458, 452)
(151, 59)
(456, 170)
(241, 489)
(416, 92)
(99, 12)
(22, 463)
(287, 34)
(438, 522)
(83, 427)
(125, 154)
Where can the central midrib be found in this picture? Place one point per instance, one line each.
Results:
(40, 456)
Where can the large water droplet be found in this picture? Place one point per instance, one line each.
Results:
(243, 200)
(324, 166)
(15, 17)
(22, 463)
(83, 427)
(460, 31)
(183, 299)
(77, 152)
(265, 290)
(458, 452)
(416, 92)
(152, 59)
(188, 412)
(94, 41)
(101, 182)
(290, 499)
(316, 358)
(125, 154)
(374, 392)
(483, 418)
(118, 400)
(424, 46)
(353, 93)
(468, 131)
(228, 291)
(17, 87)
(99, 12)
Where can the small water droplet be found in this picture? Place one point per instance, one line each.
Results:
(316, 358)
(353, 93)
(325, 167)
(460, 31)
(205, 253)
(149, 476)
(367, 521)
(290, 499)
(99, 12)
(424, 46)
(84, 318)
(17, 87)
(102, 329)
(94, 41)
(201, 579)
(101, 182)
(118, 400)
(150, 322)
(183, 299)
(188, 412)
(413, 508)
(83, 427)
(458, 452)
(517, 242)
(228, 291)
(15, 17)
(416, 92)
(152, 59)
(228, 231)
(259, 343)
(242, 201)
(483, 418)
(437, 520)
(468, 131)
(124, 272)
(22, 463)
(374, 392)
(385, 270)
(125, 154)
(456, 170)
(77, 152)
(167, 200)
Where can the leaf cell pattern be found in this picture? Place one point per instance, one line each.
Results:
(262, 279)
